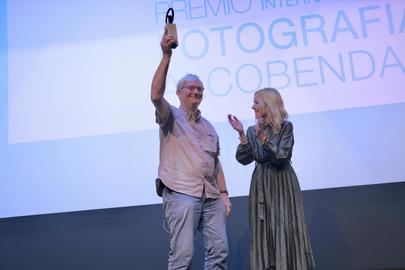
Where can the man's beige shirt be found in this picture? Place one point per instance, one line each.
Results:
(189, 150)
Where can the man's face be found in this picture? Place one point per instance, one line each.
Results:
(191, 94)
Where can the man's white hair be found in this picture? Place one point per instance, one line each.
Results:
(187, 78)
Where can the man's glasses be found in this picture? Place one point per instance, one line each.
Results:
(193, 87)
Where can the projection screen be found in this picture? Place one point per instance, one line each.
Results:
(78, 129)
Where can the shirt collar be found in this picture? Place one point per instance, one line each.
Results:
(191, 116)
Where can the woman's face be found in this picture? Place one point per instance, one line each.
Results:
(258, 108)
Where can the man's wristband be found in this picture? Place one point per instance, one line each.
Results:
(224, 191)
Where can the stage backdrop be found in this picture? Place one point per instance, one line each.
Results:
(77, 128)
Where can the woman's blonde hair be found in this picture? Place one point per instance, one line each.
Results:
(273, 104)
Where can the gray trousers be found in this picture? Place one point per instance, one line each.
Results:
(185, 215)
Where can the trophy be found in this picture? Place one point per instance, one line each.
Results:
(171, 27)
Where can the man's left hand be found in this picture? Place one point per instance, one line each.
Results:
(227, 202)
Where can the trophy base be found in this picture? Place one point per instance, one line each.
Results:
(172, 30)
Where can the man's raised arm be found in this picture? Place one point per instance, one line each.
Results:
(159, 79)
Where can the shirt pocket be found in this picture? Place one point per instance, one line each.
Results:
(210, 143)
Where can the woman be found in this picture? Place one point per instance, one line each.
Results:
(278, 235)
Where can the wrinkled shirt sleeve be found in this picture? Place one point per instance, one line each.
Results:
(165, 117)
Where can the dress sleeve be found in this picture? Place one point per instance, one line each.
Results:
(279, 146)
(244, 152)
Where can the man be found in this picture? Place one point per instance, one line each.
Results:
(194, 194)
